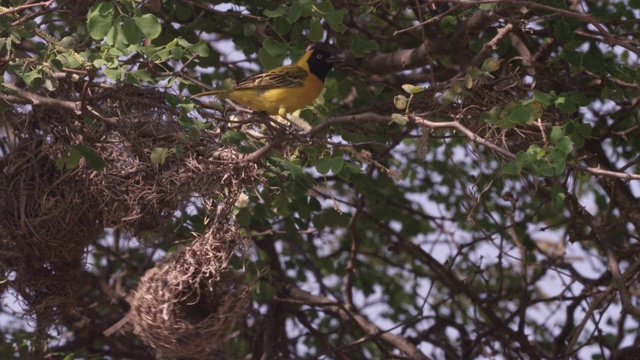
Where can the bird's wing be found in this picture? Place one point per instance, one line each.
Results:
(282, 77)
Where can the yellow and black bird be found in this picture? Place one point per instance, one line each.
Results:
(285, 89)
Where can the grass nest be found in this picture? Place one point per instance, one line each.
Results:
(45, 225)
(190, 303)
(52, 212)
(485, 105)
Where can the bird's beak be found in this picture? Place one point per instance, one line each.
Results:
(334, 59)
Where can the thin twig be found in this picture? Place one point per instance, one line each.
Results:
(11, 10)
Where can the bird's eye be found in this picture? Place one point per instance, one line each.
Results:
(319, 56)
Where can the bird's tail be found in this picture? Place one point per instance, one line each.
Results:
(207, 93)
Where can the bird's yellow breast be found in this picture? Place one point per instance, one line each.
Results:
(278, 100)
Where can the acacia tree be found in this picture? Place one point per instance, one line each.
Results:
(466, 186)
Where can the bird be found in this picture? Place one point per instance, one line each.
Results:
(285, 89)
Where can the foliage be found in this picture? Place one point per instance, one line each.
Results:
(465, 187)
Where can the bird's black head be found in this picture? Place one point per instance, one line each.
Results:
(321, 61)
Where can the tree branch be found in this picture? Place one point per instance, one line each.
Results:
(511, 156)
(365, 325)
(12, 9)
(14, 94)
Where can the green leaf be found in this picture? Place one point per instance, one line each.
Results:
(562, 31)
(275, 13)
(159, 155)
(114, 74)
(282, 26)
(100, 19)
(330, 218)
(32, 78)
(323, 166)
(361, 45)
(564, 145)
(131, 31)
(566, 103)
(334, 19)
(69, 61)
(176, 52)
(267, 60)
(200, 48)
(186, 106)
(412, 89)
(448, 24)
(112, 35)
(69, 160)
(248, 29)
(69, 42)
(584, 130)
(295, 11)
(524, 158)
(50, 83)
(316, 32)
(324, 7)
(448, 97)
(295, 170)
(353, 168)
(573, 57)
(149, 25)
(557, 132)
(543, 98)
(143, 75)
(536, 151)
(511, 168)
(557, 198)
(94, 160)
(490, 65)
(183, 10)
(519, 114)
(579, 97)
(458, 86)
(178, 150)
(612, 91)
(541, 168)
(337, 164)
(558, 161)
(488, 6)
(231, 137)
(275, 48)
(593, 60)
(398, 119)
(400, 101)
(30, 25)
(473, 72)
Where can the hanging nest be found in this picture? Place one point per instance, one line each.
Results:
(51, 213)
(142, 196)
(46, 221)
(190, 303)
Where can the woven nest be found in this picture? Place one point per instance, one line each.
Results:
(49, 215)
(141, 195)
(45, 225)
(482, 95)
(190, 303)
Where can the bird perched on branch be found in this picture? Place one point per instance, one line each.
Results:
(285, 89)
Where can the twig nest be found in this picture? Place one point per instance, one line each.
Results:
(190, 303)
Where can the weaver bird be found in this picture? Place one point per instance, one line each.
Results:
(285, 89)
